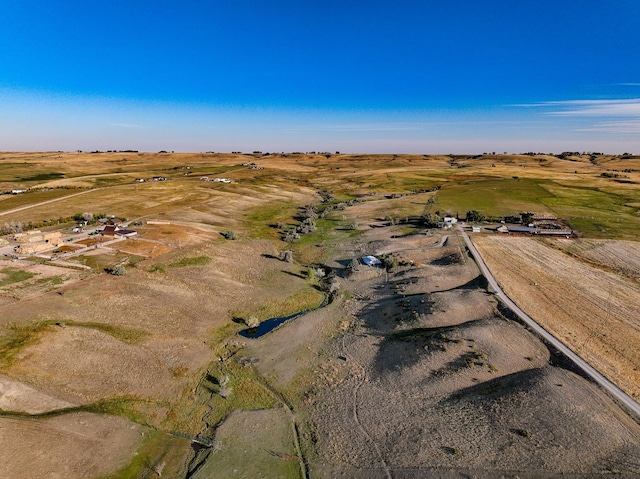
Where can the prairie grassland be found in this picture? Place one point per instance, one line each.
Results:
(140, 346)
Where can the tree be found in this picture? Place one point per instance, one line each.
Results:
(118, 270)
(353, 266)
(475, 216)
(287, 256)
(290, 236)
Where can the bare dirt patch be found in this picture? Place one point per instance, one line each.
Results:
(19, 397)
(141, 247)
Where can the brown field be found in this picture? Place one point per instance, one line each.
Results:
(622, 257)
(593, 310)
(411, 372)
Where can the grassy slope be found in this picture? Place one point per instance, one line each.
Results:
(571, 189)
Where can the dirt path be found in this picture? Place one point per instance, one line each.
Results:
(42, 203)
(361, 377)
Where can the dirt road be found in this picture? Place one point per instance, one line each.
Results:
(614, 390)
(35, 205)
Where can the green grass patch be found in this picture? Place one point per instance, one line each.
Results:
(262, 219)
(14, 275)
(247, 391)
(193, 261)
(15, 338)
(124, 406)
(103, 181)
(31, 198)
(157, 268)
(102, 261)
(596, 212)
(316, 247)
(126, 335)
(307, 298)
(43, 177)
(224, 332)
(494, 197)
(49, 282)
(150, 453)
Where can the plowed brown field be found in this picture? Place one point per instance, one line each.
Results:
(594, 310)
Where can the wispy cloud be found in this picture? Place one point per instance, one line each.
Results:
(596, 108)
(615, 127)
(615, 117)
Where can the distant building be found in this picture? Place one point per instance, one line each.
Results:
(115, 230)
(447, 222)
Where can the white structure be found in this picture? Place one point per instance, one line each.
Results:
(371, 261)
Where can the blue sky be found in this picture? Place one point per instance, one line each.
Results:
(419, 76)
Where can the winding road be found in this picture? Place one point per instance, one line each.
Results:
(623, 398)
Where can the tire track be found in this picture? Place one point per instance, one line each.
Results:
(360, 381)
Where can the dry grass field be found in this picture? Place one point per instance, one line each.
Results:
(410, 372)
(592, 309)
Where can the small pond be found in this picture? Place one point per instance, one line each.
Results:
(271, 324)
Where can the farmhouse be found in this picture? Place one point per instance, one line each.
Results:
(447, 222)
(115, 230)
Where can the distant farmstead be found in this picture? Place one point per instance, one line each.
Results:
(115, 230)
